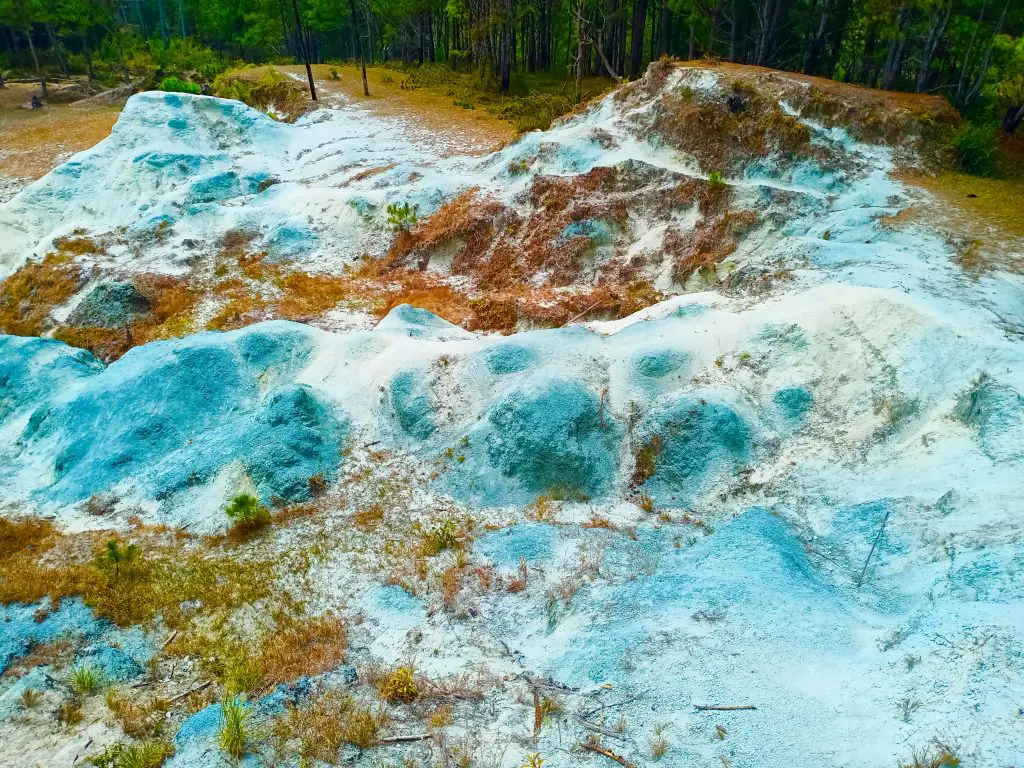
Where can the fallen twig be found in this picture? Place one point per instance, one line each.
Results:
(169, 640)
(600, 729)
(608, 753)
(189, 692)
(403, 739)
(878, 538)
(603, 707)
(722, 707)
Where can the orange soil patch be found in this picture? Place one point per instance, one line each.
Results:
(869, 113)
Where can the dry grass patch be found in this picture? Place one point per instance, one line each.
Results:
(55, 653)
(164, 574)
(300, 648)
(37, 140)
(980, 216)
(326, 722)
(140, 720)
(29, 295)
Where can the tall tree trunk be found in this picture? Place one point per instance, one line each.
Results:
(359, 45)
(972, 94)
(35, 61)
(894, 59)
(305, 50)
(734, 31)
(636, 53)
(181, 16)
(1013, 119)
(163, 22)
(817, 43)
(962, 81)
(937, 28)
(579, 51)
(55, 44)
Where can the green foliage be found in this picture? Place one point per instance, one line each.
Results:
(402, 216)
(245, 511)
(187, 58)
(976, 149)
(716, 180)
(174, 85)
(119, 559)
(146, 754)
(444, 535)
(268, 87)
(242, 674)
(236, 736)
(85, 679)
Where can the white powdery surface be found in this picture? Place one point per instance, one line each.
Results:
(871, 555)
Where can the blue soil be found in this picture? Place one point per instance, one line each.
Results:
(989, 577)
(793, 403)
(33, 369)
(699, 440)
(544, 437)
(290, 240)
(655, 365)
(416, 322)
(509, 358)
(169, 415)
(116, 653)
(196, 743)
(530, 542)
(20, 630)
(996, 413)
(411, 402)
(754, 569)
(110, 305)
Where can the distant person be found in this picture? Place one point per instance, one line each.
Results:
(205, 90)
(37, 103)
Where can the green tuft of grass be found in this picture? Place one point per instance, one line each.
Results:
(146, 754)
(236, 735)
(85, 679)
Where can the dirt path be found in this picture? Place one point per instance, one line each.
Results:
(426, 115)
(35, 141)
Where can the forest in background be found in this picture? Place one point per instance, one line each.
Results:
(969, 51)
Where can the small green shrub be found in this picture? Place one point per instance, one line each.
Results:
(716, 180)
(235, 735)
(117, 558)
(146, 754)
(242, 674)
(246, 512)
(85, 679)
(177, 85)
(444, 535)
(976, 149)
(402, 217)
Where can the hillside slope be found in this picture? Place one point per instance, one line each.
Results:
(771, 455)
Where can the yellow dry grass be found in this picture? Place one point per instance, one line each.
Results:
(981, 216)
(36, 140)
(454, 129)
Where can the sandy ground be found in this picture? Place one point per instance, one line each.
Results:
(429, 112)
(35, 141)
